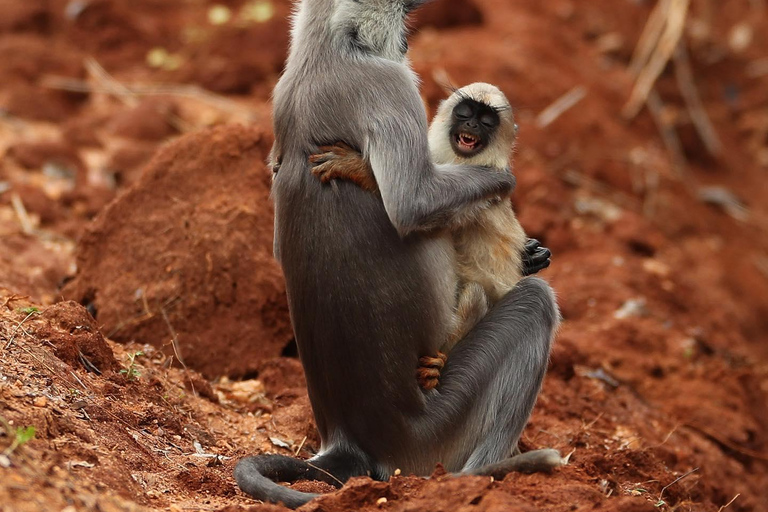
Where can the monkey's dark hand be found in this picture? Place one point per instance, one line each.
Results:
(429, 370)
(343, 162)
(535, 257)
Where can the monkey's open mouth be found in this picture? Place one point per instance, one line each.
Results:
(467, 142)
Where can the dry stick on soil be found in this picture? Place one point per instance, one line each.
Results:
(13, 298)
(651, 192)
(341, 484)
(560, 105)
(728, 444)
(761, 262)
(19, 326)
(140, 89)
(117, 89)
(649, 38)
(674, 18)
(687, 85)
(301, 445)
(175, 344)
(18, 207)
(105, 79)
(661, 494)
(729, 503)
(575, 178)
(667, 131)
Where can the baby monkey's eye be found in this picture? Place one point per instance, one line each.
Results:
(489, 120)
(463, 111)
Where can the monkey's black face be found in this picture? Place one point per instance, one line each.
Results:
(473, 126)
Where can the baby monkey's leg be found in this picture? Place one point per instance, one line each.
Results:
(340, 161)
(470, 309)
(428, 373)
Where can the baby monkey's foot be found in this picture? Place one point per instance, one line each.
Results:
(340, 161)
(535, 257)
(429, 370)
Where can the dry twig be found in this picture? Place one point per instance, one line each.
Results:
(699, 117)
(729, 503)
(728, 444)
(667, 131)
(21, 213)
(175, 345)
(650, 37)
(673, 482)
(140, 89)
(560, 105)
(19, 326)
(674, 21)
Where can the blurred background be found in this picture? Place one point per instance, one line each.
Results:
(133, 137)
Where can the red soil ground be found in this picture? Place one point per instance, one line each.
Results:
(135, 232)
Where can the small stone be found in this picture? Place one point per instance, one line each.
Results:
(40, 401)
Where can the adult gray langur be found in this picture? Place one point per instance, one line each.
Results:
(370, 290)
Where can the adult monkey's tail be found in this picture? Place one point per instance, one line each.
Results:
(258, 475)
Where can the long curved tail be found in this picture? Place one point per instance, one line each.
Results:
(257, 476)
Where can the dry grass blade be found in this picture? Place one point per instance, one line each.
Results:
(728, 504)
(21, 213)
(723, 442)
(674, 17)
(649, 37)
(141, 89)
(326, 473)
(19, 326)
(560, 105)
(126, 95)
(690, 93)
(104, 78)
(667, 131)
(176, 351)
(673, 482)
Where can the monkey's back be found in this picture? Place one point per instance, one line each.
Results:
(489, 250)
(363, 304)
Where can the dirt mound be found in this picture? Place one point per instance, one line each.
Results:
(76, 338)
(186, 255)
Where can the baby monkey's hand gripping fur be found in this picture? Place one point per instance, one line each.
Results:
(367, 279)
(474, 125)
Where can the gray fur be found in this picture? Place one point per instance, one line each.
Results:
(370, 287)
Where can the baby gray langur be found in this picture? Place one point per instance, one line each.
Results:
(476, 126)
(367, 282)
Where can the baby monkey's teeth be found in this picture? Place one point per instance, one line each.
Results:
(467, 140)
